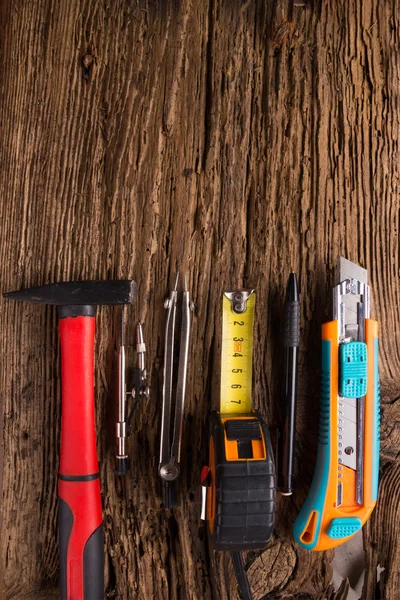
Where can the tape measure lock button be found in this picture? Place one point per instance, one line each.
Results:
(243, 429)
(244, 439)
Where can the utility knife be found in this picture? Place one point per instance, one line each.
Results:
(344, 489)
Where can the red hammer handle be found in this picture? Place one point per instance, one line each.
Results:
(80, 512)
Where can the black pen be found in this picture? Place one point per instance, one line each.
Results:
(291, 342)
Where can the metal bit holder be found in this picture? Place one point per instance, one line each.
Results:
(170, 452)
(139, 391)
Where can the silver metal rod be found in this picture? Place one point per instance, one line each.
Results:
(168, 375)
(360, 450)
(182, 372)
(360, 416)
(351, 308)
(361, 321)
(339, 498)
(121, 424)
(140, 349)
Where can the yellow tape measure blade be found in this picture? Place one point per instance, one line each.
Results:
(237, 357)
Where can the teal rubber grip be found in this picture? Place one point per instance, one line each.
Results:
(316, 497)
(343, 527)
(353, 369)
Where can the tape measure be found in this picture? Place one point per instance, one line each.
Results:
(239, 481)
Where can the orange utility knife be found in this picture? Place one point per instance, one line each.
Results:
(345, 485)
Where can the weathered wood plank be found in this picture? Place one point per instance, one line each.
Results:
(232, 140)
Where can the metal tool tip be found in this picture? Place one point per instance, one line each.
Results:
(139, 333)
(185, 283)
(176, 282)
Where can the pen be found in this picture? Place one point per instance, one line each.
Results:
(291, 342)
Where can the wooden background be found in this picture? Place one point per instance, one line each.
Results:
(236, 141)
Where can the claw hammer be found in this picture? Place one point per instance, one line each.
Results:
(80, 510)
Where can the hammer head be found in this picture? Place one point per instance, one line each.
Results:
(79, 293)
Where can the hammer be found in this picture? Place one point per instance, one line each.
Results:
(80, 510)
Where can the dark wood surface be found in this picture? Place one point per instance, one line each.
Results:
(232, 140)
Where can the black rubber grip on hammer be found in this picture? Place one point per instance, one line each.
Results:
(65, 523)
(93, 566)
(93, 556)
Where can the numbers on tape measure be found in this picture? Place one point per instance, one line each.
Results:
(236, 359)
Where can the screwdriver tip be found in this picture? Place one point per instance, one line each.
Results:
(176, 282)
(185, 283)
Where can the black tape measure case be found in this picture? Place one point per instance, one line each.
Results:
(241, 489)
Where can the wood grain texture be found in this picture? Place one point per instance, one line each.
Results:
(235, 140)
